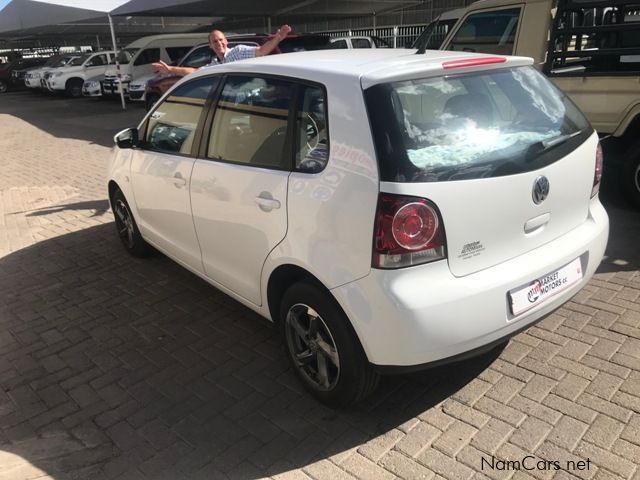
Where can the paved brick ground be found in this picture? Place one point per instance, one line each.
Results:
(116, 368)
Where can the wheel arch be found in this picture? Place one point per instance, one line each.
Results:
(113, 186)
(285, 275)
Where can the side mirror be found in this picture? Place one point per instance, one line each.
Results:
(127, 138)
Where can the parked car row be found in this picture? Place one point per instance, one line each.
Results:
(95, 74)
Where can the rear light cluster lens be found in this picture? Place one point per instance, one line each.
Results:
(408, 231)
(597, 176)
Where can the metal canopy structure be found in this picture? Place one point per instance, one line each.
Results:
(29, 23)
(260, 8)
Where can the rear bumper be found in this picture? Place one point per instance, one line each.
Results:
(421, 316)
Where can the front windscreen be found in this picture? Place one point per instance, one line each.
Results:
(78, 60)
(125, 56)
(456, 127)
(302, 43)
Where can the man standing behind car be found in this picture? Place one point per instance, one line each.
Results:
(218, 43)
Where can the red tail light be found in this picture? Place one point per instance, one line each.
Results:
(597, 176)
(408, 231)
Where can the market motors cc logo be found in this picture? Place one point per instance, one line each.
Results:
(540, 189)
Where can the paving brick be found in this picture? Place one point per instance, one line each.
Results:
(604, 431)
(608, 460)
(507, 414)
(608, 408)
(530, 434)
(505, 389)
(492, 436)
(444, 465)
(324, 469)
(604, 386)
(571, 386)
(538, 387)
(567, 432)
(454, 438)
(465, 413)
(419, 438)
(535, 409)
(571, 409)
(404, 467)
(361, 467)
(377, 447)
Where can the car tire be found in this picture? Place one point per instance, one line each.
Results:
(631, 176)
(323, 348)
(127, 227)
(3, 86)
(150, 100)
(73, 88)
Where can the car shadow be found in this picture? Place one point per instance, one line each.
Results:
(622, 253)
(111, 363)
(91, 119)
(99, 207)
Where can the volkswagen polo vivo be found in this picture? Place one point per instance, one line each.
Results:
(390, 211)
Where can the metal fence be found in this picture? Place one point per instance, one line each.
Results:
(398, 36)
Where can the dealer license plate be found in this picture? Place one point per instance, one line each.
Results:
(545, 287)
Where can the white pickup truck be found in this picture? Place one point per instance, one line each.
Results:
(70, 78)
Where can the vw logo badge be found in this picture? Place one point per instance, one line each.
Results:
(540, 189)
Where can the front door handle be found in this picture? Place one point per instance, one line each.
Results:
(178, 180)
(266, 202)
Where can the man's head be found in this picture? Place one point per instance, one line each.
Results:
(218, 43)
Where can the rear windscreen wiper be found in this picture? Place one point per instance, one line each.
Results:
(546, 145)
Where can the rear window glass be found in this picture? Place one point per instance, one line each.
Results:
(496, 123)
(302, 43)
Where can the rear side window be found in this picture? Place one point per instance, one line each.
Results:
(250, 123)
(148, 55)
(172, 125)
(497, 123)
(312, 143)
(487, 32)
(303, 43)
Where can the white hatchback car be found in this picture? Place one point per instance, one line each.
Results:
(391, 211)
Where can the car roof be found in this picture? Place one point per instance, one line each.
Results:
(371, 66)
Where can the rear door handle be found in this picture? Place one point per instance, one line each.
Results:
(179, 180)
(266, 202)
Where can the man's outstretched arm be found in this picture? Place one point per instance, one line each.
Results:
(161, 67)
(267, 47)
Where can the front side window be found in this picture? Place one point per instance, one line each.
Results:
(339, 44)
(360, 43)
(148, 55)
(172, 125)
(250, 123)
(198, 58)
(97, 61)
(77, 61)
(487, 32)
(312, 147)
(480, 125)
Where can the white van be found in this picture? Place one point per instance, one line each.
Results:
(136, 58)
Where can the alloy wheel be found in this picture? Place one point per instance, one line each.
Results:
(124, 222)
(312, 347)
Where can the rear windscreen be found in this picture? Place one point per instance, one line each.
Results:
(300, 44)
(495, 123)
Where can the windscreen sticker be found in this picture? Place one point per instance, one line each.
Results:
(470, 250)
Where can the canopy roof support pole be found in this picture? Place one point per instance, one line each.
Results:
(115, 49)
